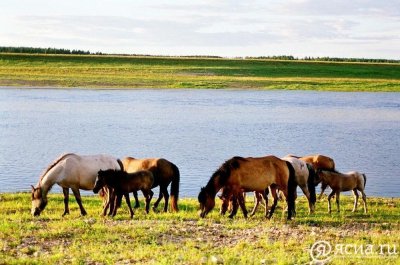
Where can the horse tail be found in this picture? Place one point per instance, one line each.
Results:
(291, 188)
(311, 183)
(175, 188)
(121, 165)
(365, 180)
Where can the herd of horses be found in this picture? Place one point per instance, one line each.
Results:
(114, 179)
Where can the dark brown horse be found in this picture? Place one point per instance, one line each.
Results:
(164, 172)
(238, 175)
(122, 183)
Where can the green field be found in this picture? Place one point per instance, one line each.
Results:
(90, 71)
(183, 238)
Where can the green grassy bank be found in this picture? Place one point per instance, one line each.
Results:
(90, 71)
(183, 238)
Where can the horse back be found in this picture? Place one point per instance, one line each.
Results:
(142, 179)
(162, 169)
(259, 173)
(81, 171)
(320, 161)
(300, 169)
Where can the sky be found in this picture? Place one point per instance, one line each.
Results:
(316, 28)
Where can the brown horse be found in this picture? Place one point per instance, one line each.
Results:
(240, 174)
(344, 182)
(123, 183)
(164, 172)
(319, 162)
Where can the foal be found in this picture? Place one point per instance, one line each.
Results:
(344, 182)
(122, 183)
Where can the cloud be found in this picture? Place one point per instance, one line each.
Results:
(235, 27)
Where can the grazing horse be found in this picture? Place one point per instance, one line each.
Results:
(164, 172)
(319, 162)
(70, 171)
(238, 175)
(122, 183)
(344, 182)
(306, 179)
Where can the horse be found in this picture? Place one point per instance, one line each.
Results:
(319, 162)
(306, 179)
(164, 172)
(122, 183)
(238, 175)
(344, 182)
(70, 171)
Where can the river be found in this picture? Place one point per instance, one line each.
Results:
(198, 130)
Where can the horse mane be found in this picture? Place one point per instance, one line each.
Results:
(224, 171)
(55, 162)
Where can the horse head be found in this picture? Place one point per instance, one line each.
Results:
(39, 201)
(100, 183)
(207, 202)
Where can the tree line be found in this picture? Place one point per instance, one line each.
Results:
(41, 50)
(324, 59)
(276, 57)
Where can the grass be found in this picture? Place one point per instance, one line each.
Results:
(157, 72)
(184, 238)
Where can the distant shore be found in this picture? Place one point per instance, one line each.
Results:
(135, 72)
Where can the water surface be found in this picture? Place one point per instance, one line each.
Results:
(199, 129)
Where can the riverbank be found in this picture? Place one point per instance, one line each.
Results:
(123, 72)
(183, 238)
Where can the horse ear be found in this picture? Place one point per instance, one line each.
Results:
(33, 188)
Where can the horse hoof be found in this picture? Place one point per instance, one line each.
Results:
(64, 214)
(137, 206)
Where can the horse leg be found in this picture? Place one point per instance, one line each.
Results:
(79, 200)
(128, 201)
(148, 194)
(166, 198)
(118, 201)
(112, 201)
(160, 196)
(137, 203)
(66, 199)
(235, 206)
(355, 194)
(242, 204)
(108, 200)
(276, 198)
(337, 200)
(329, 200)
(323, 188)
(311, 206)
(364, 197)
(256, 203)
(264, 194)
